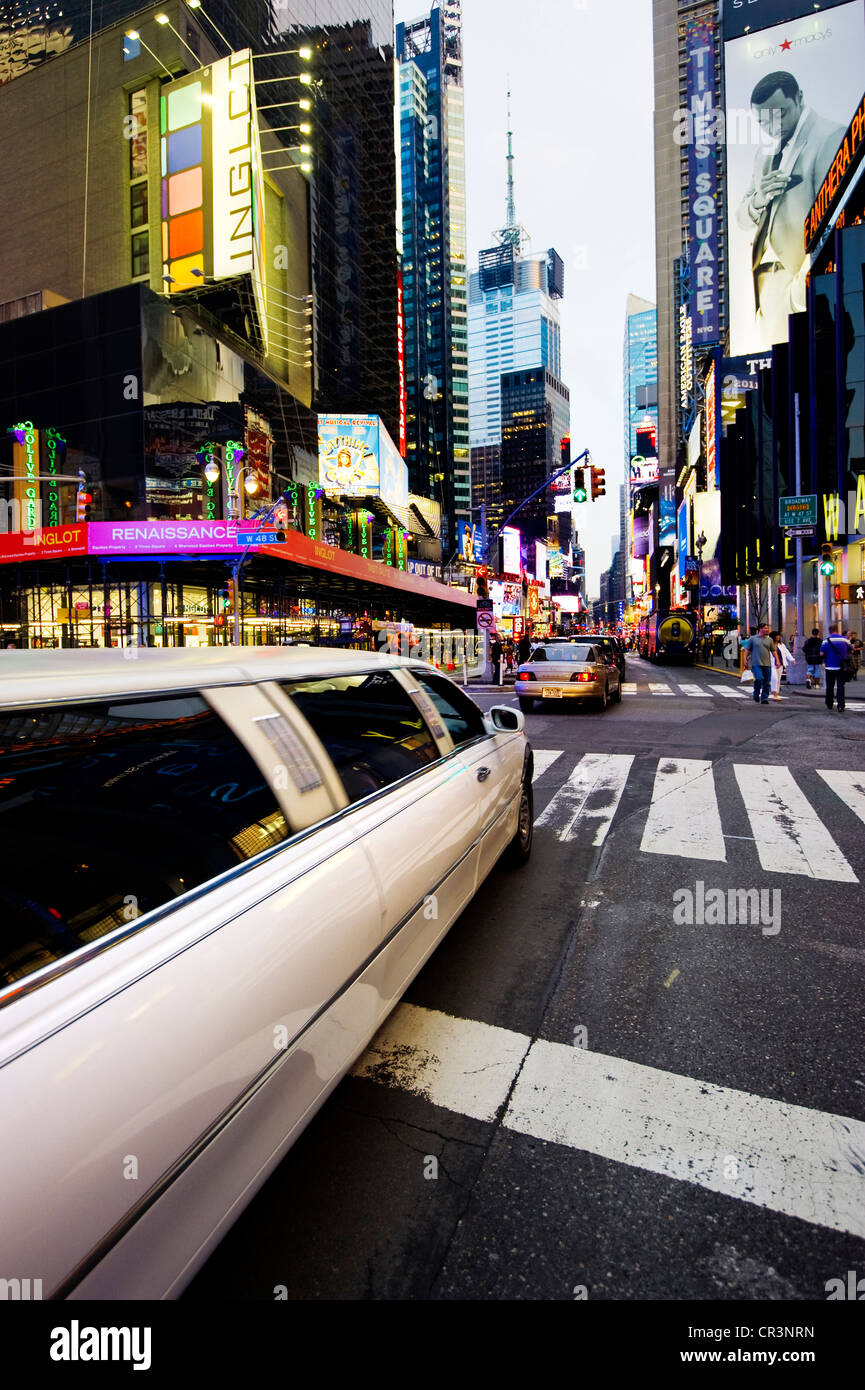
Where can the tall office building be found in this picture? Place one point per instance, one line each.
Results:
(514, 333)
(639, 372)
(673, 22)
(433, 195)
(353, 204)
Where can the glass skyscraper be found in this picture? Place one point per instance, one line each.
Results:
(432, 186)
(514, 329)
(639, 372)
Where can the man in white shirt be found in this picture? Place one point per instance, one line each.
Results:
(784, 184)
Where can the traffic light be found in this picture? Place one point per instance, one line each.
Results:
(566, 450)
(580, 493)
(84, 509)
(598, 487)
(482, 583)
(231, 587)
(827, 564)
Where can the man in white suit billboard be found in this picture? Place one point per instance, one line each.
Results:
(784, 184)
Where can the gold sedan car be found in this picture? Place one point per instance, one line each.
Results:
(568, 671)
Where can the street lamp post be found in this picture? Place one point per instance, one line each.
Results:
(699, 543)
(212, 472)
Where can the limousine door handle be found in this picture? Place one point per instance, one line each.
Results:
(483, 773)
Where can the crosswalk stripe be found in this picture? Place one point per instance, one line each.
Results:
(790, 837)
(683, 818)
(785, 1158)
(629, 687)
(658, 689)
(592, 792)
(850, 786)
(731, 693)
(695, 690)
(544, 759)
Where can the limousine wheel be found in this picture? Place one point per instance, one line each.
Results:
(520, 847)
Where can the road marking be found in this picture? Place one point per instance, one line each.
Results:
(786, 1158)
(684, 820)
(850, 786)
(629, 687)
(452, 1062)
(791, 839)
(658, 689)
(731, 694)
(592, 792)
(670, 978)
(695, 690)
(544, 759)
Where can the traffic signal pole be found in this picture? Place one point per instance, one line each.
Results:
(238, 564)
(544, 485)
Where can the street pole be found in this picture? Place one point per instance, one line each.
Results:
(800, 595)
(238, 564)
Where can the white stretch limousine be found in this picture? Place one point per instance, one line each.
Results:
(221, 870)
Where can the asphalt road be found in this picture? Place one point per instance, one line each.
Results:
(601, 1085)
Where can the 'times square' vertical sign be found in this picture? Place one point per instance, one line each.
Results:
(702, 127)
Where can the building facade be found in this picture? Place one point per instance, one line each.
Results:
(514, 328)
(433, 227)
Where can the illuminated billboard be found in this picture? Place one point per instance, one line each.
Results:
(703, 182)
(358, 458)
(469, 542)
(510, 550)
(212, 195)
(792, 89)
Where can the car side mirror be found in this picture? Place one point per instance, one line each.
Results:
(507, 720)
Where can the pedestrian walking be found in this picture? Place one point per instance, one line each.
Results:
(855, 652)
(497, 652)
(761, 655)
(524, 648)
(838, 661)
(813, 655)
(781, 659)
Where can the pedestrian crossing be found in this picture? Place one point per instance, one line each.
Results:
(730, 691)
(683, 819)
(789, 1159)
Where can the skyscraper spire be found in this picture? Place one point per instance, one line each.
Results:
(511, 224)
(512, 233)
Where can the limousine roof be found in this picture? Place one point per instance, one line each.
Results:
(42, 677)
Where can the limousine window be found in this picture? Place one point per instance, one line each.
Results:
(110, 809)
(462, 718)
(370, 727)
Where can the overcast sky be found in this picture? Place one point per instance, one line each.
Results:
(581, 82)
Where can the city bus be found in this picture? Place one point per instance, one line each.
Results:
(672, 636)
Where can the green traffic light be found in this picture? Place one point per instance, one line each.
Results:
(827, 568)
(580, 494)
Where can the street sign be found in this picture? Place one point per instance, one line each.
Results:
(485, 605)
(485, 619)
(260, 538)
(798, 511)
(792, 531)
(849, 593)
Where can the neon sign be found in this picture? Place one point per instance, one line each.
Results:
(28, 444)
(54, 442)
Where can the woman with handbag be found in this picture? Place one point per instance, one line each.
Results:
(782, 657)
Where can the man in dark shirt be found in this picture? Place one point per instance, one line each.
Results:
(836, 650)
(812, 650)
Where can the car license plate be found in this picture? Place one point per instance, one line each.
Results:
(551, 692)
